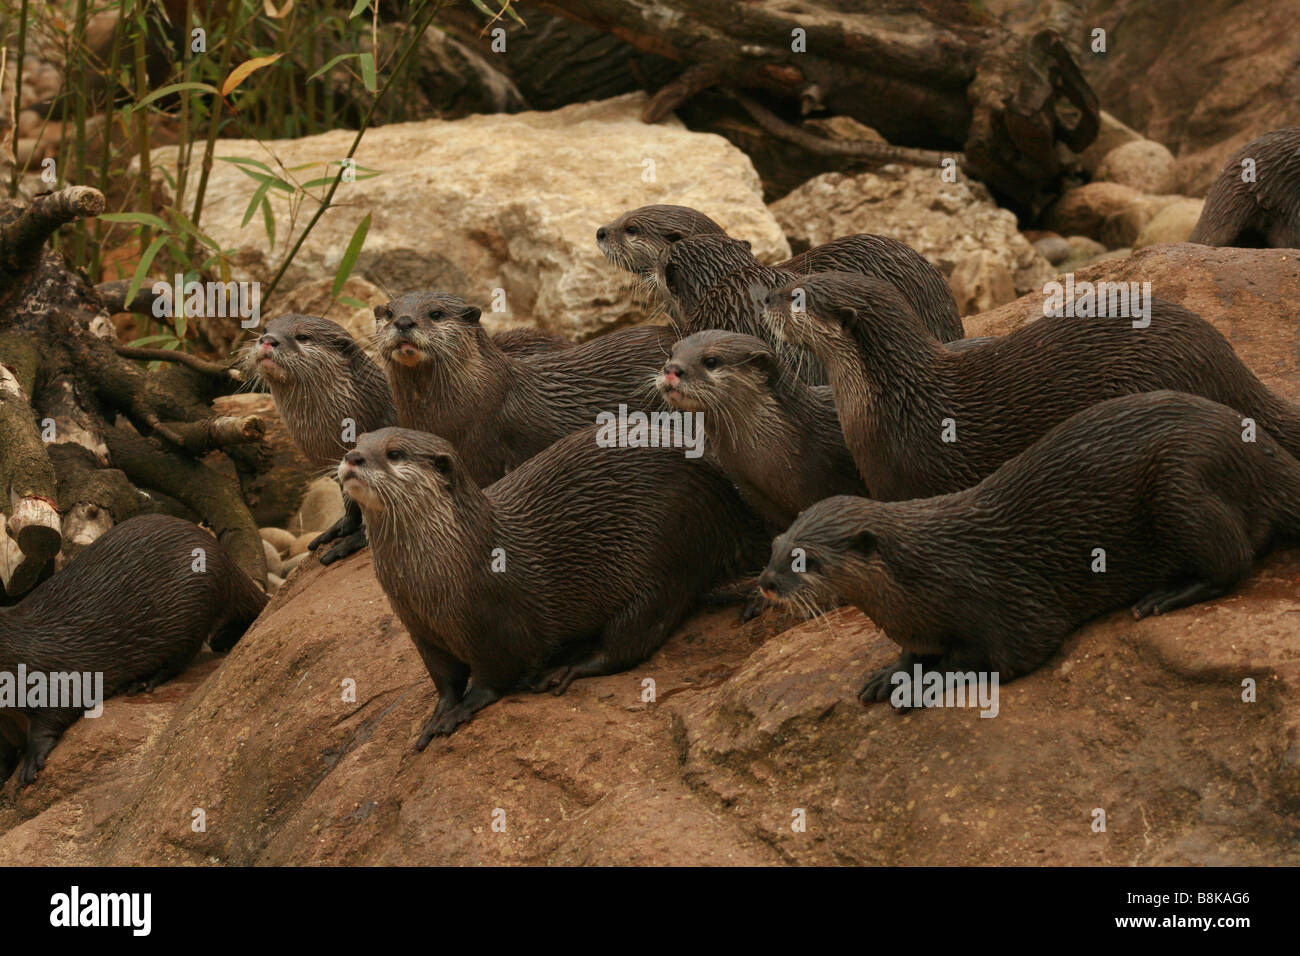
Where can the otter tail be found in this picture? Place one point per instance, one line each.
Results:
(246, 603)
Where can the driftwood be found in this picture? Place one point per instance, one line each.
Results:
(83, 429)
(933, 75)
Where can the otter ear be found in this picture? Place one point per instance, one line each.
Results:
(745, 243)
(470, 314)
(765, 359)
(847, 316)
(674, 236)
(442, 465)
(383, 313)
(864, 543)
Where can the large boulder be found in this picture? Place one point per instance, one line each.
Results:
(497, 202)
(948, 223)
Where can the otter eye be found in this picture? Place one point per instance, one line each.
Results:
(436, 314)
(302, 337)
(632, 230)
(711, 362)
(396, 454)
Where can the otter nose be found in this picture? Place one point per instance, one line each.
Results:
(601, 233)
(355, 458)
(267, 343)
(767, 582)
(673, 372)
(404, 323)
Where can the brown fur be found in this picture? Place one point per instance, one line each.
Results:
(894, 385)
(775, 436)
(1264, 213)
(993, 578)
(130, 606)
(320, 379)
(605, 545)
(449, 378)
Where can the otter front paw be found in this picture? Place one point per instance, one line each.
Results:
(343, 547)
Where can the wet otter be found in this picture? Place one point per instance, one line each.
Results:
(327, 391)
(635, 240)
(135, 605)
(449, 378)
(773, 435)
(520, 342)
(646, 240)
(923, 420)
(579, 544)
(993, 578)
(1263, 211)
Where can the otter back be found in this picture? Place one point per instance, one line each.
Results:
(1152, 500)
(134, 606)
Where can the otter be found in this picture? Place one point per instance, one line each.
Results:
(1158, 485)
(134, 605)
(922, 420)
(1263, 211)
(520, 342)
(688, 269)
(776, 437)
(686, 252)
(327, 390)
(578, 563)
(449, 378)
(635, 240)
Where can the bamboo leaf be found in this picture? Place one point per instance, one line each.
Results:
(349, 256)
(242, 72)
(173, 88)
(143, 218)
(368, 71)
(331, 64)
(149, 340)
(268, 220)
(142, 269)
(356, 10)
(259, 197)
(245, 161)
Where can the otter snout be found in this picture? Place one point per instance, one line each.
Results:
(601, 233)
(404, 323)
(769, 586)
(267, 345)
(673, 374)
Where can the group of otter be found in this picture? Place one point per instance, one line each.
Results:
(958, 491)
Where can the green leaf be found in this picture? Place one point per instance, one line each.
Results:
(142, 269)
(193, 230)
(259, 197)
(323, 181)
(368, 71)
(173, 88)
(357, 8)
(144, 218)
(149, 340)
(507, 9)
(349, 256)
(331, 64)
(273, 180)
(268, 219)
(353, 302)
(245, 161)
(180, 327)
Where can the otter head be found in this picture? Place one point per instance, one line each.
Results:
(302, 350)
(397, 470)
(716, 369)
(842, 314)
(635, 240)
(422, 327)
(830, 554)
(686, 270)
